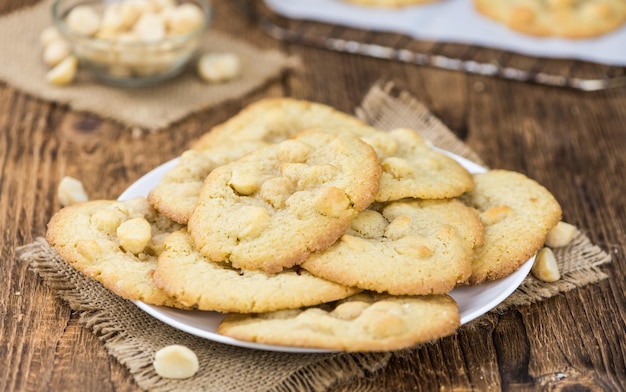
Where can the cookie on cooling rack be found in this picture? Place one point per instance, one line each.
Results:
(574, 19)
(116, 243)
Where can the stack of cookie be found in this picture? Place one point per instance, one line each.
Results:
(311, 229)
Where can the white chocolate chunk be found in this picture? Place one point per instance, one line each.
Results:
(245, 181)
(397, 167)
(369, 224)
(349, 310)
(56, 51)
(219, 67)
(382, 142)
(176, 361)
(71, 191)
(399, 227)
(83, 19)
(412, 245)
(276, 191)
(560, 235)
(495, 214)
(107, 220)
(354, 243)
(134, 235)
(253, 221)
(332, 202)
(545, 267)
(64, 72)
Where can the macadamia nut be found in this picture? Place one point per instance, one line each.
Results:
(150, 27)
(64, 72)
(545, 267)
(116, 18)
(560, 235)
(83, 19)
(71, 191)
(48, 35)
(119, 27)
(219, 67)
(176, 361)
(56, 51)
(184, 18)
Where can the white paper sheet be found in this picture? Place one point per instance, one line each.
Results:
(454, 21)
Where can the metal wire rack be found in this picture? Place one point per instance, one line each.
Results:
(576, 74)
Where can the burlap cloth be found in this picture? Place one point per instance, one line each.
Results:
(147, 108)
(132, 337)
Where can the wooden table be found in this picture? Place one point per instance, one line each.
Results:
(572, 142)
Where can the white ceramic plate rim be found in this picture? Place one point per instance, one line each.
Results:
(473, 301)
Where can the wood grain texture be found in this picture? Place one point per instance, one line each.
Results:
(572, 142)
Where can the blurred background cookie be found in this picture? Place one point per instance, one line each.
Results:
(559, 18)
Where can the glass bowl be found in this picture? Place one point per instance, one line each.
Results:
(125, 54)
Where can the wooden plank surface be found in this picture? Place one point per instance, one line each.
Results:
(572, 142)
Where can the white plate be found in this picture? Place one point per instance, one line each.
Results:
(473, 301)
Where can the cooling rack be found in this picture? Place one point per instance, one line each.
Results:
(575, 74)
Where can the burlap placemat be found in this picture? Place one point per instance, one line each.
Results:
(132, 337)
(148, 108)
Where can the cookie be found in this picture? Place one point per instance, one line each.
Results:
(412, 168)
(271, 208)
(363, 322)
(560, 18)
(176, 193)
(267, 121)
(517, 213)
(196, 282)
(273, 120)
(414, 247)
(116, 243)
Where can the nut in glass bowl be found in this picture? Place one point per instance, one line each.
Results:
(132, 43)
